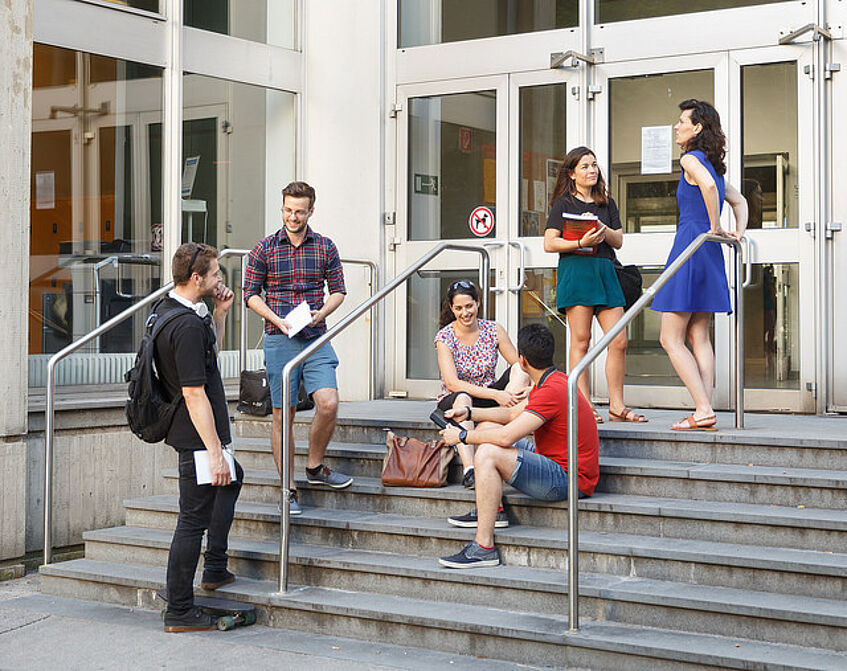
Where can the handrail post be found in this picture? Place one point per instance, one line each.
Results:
(242, 347)
(739, 336)
(573, 505)
(343, 323)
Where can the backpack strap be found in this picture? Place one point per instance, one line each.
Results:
(157, 324)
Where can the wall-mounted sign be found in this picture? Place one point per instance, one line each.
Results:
(426, 184)
(656, 150)
(481, 221)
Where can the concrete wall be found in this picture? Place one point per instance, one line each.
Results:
(15, 124)
(342, 123)
(97, 464)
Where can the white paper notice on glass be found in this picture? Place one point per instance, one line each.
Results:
(204, 471)
(45, 190)
(656, 150)
(298, 319)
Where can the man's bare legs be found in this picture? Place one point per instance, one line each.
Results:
(675, 327)
(493, 465)
(323, 425)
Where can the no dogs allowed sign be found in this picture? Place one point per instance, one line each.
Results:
(481, 221)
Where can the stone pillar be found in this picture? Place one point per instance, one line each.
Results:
(15, 127)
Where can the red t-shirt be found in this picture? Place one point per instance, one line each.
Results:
(549, 401)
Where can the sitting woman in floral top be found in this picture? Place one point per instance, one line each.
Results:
(467, 349)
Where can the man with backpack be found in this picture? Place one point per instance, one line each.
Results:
(185, 352)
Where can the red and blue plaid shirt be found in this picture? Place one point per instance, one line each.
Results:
(289, 275)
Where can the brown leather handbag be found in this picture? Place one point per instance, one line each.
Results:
(410, 462)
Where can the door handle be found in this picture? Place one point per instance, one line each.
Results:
(522, 267)
(494, 245)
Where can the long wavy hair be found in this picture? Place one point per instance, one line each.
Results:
(459, 287)
(711, 140)
(566, 185)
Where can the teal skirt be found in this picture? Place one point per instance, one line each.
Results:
(587, 280)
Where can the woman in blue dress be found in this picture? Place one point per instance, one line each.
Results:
(699, 289)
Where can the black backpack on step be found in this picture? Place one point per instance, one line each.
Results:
(148, 410)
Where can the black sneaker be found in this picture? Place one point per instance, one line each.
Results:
(469, 520)
(468, 479)
(212, 581)
(472, 556)
(193, 620)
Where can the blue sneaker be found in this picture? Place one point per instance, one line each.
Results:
(293, 506)
(472, 556)
(330, 478)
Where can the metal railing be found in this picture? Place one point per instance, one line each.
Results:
(372, 277)
(49, 410)
(602, 344)
(348, 319)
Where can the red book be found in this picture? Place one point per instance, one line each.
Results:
(575, 226)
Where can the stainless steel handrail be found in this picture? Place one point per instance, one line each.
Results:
(349, 318)
(372, 267)
(49, 426)
(594, 352)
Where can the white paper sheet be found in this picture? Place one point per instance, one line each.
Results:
(298, 319)
(204, 471)
(656, 150)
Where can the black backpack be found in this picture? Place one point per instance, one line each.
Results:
(148, 410)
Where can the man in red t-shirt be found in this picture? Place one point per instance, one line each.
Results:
(542, 473)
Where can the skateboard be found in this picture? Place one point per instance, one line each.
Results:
(229, 614)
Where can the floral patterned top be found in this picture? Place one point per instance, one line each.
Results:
(475, 363)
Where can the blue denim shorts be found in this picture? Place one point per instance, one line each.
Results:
(317, 372)
(539, 477)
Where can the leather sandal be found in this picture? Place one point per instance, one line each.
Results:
(690, 423)
(597, 416)
(626, 415)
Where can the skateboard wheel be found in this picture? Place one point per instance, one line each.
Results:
(249, 618)
(226, 623)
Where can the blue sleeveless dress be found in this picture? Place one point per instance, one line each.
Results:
(700, 285)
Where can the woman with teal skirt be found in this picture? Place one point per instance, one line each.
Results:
(587, 285)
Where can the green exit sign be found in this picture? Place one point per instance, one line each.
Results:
(426, 184)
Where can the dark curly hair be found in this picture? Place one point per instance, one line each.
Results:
(566, 185)
(711, 140)
(459, 287)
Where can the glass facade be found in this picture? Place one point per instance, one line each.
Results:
(423, 22)
(543, 144)
(609, 11)
(538, 306)
(769, 166)
(95, 240)
(452, 164)
(647, 198)
(266, 21)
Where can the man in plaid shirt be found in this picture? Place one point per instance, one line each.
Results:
(290, 267)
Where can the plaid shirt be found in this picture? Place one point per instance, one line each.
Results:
(289, 275)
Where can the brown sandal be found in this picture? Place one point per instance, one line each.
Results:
(597, 416)
(690, 423)
(626, 415)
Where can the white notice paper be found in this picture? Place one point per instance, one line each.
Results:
(656, 150)
(298, 319)
(45, 190)
(204, 471)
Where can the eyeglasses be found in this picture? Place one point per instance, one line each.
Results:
(200, 248)
(461, 284)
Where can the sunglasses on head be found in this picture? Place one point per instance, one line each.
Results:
(461, 284)
(200, 248)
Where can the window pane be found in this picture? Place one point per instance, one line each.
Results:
(647, 202)
(435, 21)
(608, 11)
(146, 5)
(771, 180)
(543, 144)
(267, 21)
(772, 327)
(452, 163)
(94, 245)
(538, 306)
(238, 143)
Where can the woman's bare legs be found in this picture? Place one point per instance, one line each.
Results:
(699, 337)
(465, 451)
(615, 358)
(579, 324)
(675, 326)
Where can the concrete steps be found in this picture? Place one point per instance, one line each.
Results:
(690, 540)
(481, 630)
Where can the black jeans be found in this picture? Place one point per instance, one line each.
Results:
(201, 508)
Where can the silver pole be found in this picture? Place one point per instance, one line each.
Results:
(739, 338)
(242, 347)
(582, 365)
(348, 319)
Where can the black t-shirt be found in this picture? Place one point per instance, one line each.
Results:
(185, 356)
(607, 214)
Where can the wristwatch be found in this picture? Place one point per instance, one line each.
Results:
(463, 436)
